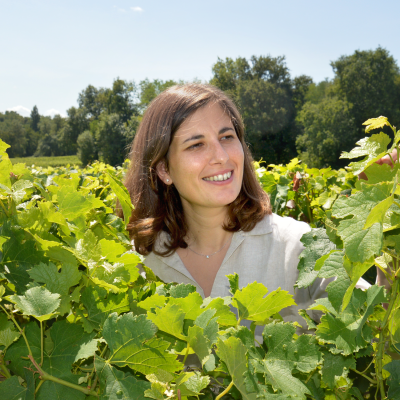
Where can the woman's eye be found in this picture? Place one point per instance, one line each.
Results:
(228, 137)
(194, 146)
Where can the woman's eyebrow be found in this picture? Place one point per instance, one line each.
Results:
(200, 136)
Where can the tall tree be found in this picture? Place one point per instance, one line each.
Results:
(35, 119)
(151, 89)
(268, 99)
(370, 82)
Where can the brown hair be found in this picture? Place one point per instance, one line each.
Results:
(158, 206)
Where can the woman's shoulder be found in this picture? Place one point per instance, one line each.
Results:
(285, 228)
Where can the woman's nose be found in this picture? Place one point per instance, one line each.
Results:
(219, 153)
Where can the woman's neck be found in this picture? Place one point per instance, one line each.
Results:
(205, 233)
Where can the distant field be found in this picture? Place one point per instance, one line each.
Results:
(48, 161)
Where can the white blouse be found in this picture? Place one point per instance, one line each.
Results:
(268, 254)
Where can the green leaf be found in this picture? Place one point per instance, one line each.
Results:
(361, 244)
(348, 330)
(233, 353)
(224, 314)
(252, 304)
(100, 305)
(317, 244)
(11, 389)
(131, 341)
(377, 214)
(71, 344)
(37, 302)
(233, 282)
(373, 148)
(73, 204)
(193, 385)
(190, 305)
(201, 346)
(18, 259)
(394, 379)
(336, 366)
(55, 281)
(377, 173)
(169, 319)
(115, 383)
(18, 353)
(357, 271)
(123, 196)
(8, 333)
(375, 123)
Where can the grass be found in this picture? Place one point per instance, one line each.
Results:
(60, 161)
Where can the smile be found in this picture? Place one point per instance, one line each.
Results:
(219, 178)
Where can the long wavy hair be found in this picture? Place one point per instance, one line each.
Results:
(158, 206)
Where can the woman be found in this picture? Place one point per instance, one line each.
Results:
(200, 213)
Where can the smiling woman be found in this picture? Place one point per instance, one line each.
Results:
(200, 213)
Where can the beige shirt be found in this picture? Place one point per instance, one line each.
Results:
(268, 254)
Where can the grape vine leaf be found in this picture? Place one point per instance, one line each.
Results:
(394, 379)
(169, 319)
(373, 148)
(332, 266)
(361, 244)
(8, 334)
(233, 282)
(114, 383)
(286, 354)
(17, 353)
(71, 344)
(336, 366)
(375, 123)
(317, 244)
(56, 281)
(347, 330)
(37, 302)
(123, 196)
(233, 353)
(100, 305)
(11, 389)
(190, 305)
(131, 341)
(224, 314)
(252, 305)
(72, 204)
(18, 259)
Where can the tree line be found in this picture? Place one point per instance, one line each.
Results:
(284, 117)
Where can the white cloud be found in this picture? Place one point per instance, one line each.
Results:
(52, 112)
(137, 9)
(21, 110)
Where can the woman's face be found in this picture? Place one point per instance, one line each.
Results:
(205, 160)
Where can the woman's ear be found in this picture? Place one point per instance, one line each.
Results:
(162, 172)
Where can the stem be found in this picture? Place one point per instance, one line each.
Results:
(364, 376)
(381, 343)
(38, 386)
(93, 369)
(47, 377)
(2, 206)
(308, 208)
(21, 331)
(4, 371)
(225, 391)
(41, 343)
(187, 353)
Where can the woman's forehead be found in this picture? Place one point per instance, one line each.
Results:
(208, 117)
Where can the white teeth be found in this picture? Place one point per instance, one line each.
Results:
(220, 178)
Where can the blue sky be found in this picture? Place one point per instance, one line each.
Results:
(52, 49)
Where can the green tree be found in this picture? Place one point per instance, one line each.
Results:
(328, 129)
(112, 138)
(150, 90)
(35, 119)
(86, 148)
(268, 99)
(370, 82)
